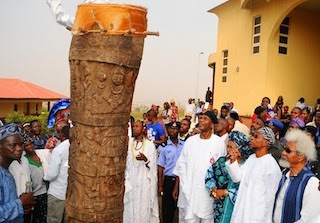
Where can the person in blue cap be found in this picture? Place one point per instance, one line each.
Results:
(276, 148)
(12, 208)
(167, 160)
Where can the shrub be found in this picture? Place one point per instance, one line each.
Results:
(15, 117)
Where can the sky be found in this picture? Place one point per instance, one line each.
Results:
(34, 48)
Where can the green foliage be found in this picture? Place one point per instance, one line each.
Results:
(15, 117)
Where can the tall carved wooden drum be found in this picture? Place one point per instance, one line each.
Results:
(105, 57)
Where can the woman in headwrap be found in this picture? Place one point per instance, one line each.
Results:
(39, 187)
(218, 181)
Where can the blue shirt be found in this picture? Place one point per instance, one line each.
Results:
(155, 131)
(11, 209)
(169, 155)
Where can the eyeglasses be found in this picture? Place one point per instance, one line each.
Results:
(288, 150)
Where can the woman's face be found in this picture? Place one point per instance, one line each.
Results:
(265, 102)
(305, 116)
(295, 113)
(28, 147)
(257, 124)
(231, 148)
(36, 128)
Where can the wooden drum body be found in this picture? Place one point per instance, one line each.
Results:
(105, 57)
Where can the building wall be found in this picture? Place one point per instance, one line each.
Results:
(253, 76)
(7, 107)
(297, 73)
(234, 35)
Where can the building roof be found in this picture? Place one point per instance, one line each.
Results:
(217, 5)
(18, 89)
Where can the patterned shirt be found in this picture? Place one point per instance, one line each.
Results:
(11, 209)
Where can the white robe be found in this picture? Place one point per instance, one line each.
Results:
(21, 174)
(196, 157)
(140, 198)
(260, 178)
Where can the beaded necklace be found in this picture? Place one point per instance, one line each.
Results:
(136, 149)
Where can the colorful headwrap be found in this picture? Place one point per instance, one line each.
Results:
(297, 122)
(26, 138)
(57, 106)
(268, 134)
(242, 142)
(9, 130)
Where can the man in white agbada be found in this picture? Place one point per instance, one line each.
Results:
(260, 177)
(140, 198)
(198, 154)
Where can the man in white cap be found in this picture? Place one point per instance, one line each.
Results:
(198, 154)
(260, 177)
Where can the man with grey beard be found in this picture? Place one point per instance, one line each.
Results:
(298, 195)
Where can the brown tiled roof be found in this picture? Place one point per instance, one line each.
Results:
(17, 89)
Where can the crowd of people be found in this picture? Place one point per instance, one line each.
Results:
(33, 172)
(211, 167)
(205, 167)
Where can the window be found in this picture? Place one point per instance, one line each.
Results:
(15, 107)
(256, 34)
(224, 78)
(28, 108)
(225, 70)
(283, 50)
(284, 36)
(225, 61)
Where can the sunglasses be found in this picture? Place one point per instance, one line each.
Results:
(288, 150)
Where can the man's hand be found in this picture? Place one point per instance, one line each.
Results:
(27, 201)
(141, 157)
(175, 194)
(160, 190)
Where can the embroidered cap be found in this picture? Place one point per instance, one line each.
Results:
(9, 130)
(268, 134)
